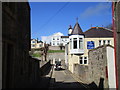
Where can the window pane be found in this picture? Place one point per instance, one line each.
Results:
(80, 61)
(99, 42)
(75, 43)
(103, 41)
(81, 58)
(85, 61)
(85, 57)
(80, 43)
(108, 41)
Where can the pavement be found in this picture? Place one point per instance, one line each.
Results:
(64, 79)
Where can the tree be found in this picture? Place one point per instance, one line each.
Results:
(45, 50)
(109, 26)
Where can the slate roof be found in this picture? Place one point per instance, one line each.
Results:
(64, 36)
(77, 30)
(96, 32)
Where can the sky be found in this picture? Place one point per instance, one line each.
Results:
(48, 18)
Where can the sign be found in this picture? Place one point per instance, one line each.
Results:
(90, 45)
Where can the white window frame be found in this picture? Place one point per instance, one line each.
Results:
(83, 60)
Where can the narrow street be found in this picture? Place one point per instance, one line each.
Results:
(63, 79)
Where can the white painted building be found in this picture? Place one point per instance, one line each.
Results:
(56, 39)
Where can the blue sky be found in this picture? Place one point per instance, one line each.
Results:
(48, 18)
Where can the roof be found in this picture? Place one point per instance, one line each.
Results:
(58, 34)
(96, 32)
(64, 36)
(70, 27)
(77, 30)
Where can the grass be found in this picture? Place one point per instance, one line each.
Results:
(55, 51)
(36, 55)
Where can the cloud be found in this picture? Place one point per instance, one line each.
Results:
(46, 39)
(101, 8)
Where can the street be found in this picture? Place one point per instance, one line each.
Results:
(63, 79)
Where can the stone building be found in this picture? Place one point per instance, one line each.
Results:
(17, 65)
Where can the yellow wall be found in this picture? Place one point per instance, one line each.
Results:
(96, 41)
(73, 59)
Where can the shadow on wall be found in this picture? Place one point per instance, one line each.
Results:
(101, 83)
(93, 85)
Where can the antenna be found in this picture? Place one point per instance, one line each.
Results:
(77, 19)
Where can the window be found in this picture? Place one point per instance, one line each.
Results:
(57, 43)
(40, 45)
(75, 43)
(53, 43)
(81, 60)
(99, 42)
(33, 41)
(53, 38)
(108, 41)
(104, 42)
(80, 43)
(57, 38)
(33, 45)
(85, 60)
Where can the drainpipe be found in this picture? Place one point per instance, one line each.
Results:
(114, 30)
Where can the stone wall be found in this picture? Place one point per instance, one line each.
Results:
(98, 66)
(56, 56)
(82, 72)
(15, 44)
(96, 70)
(55, 48)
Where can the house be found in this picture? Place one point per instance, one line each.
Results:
(76, 51)
(36, 44)
(57, 39)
